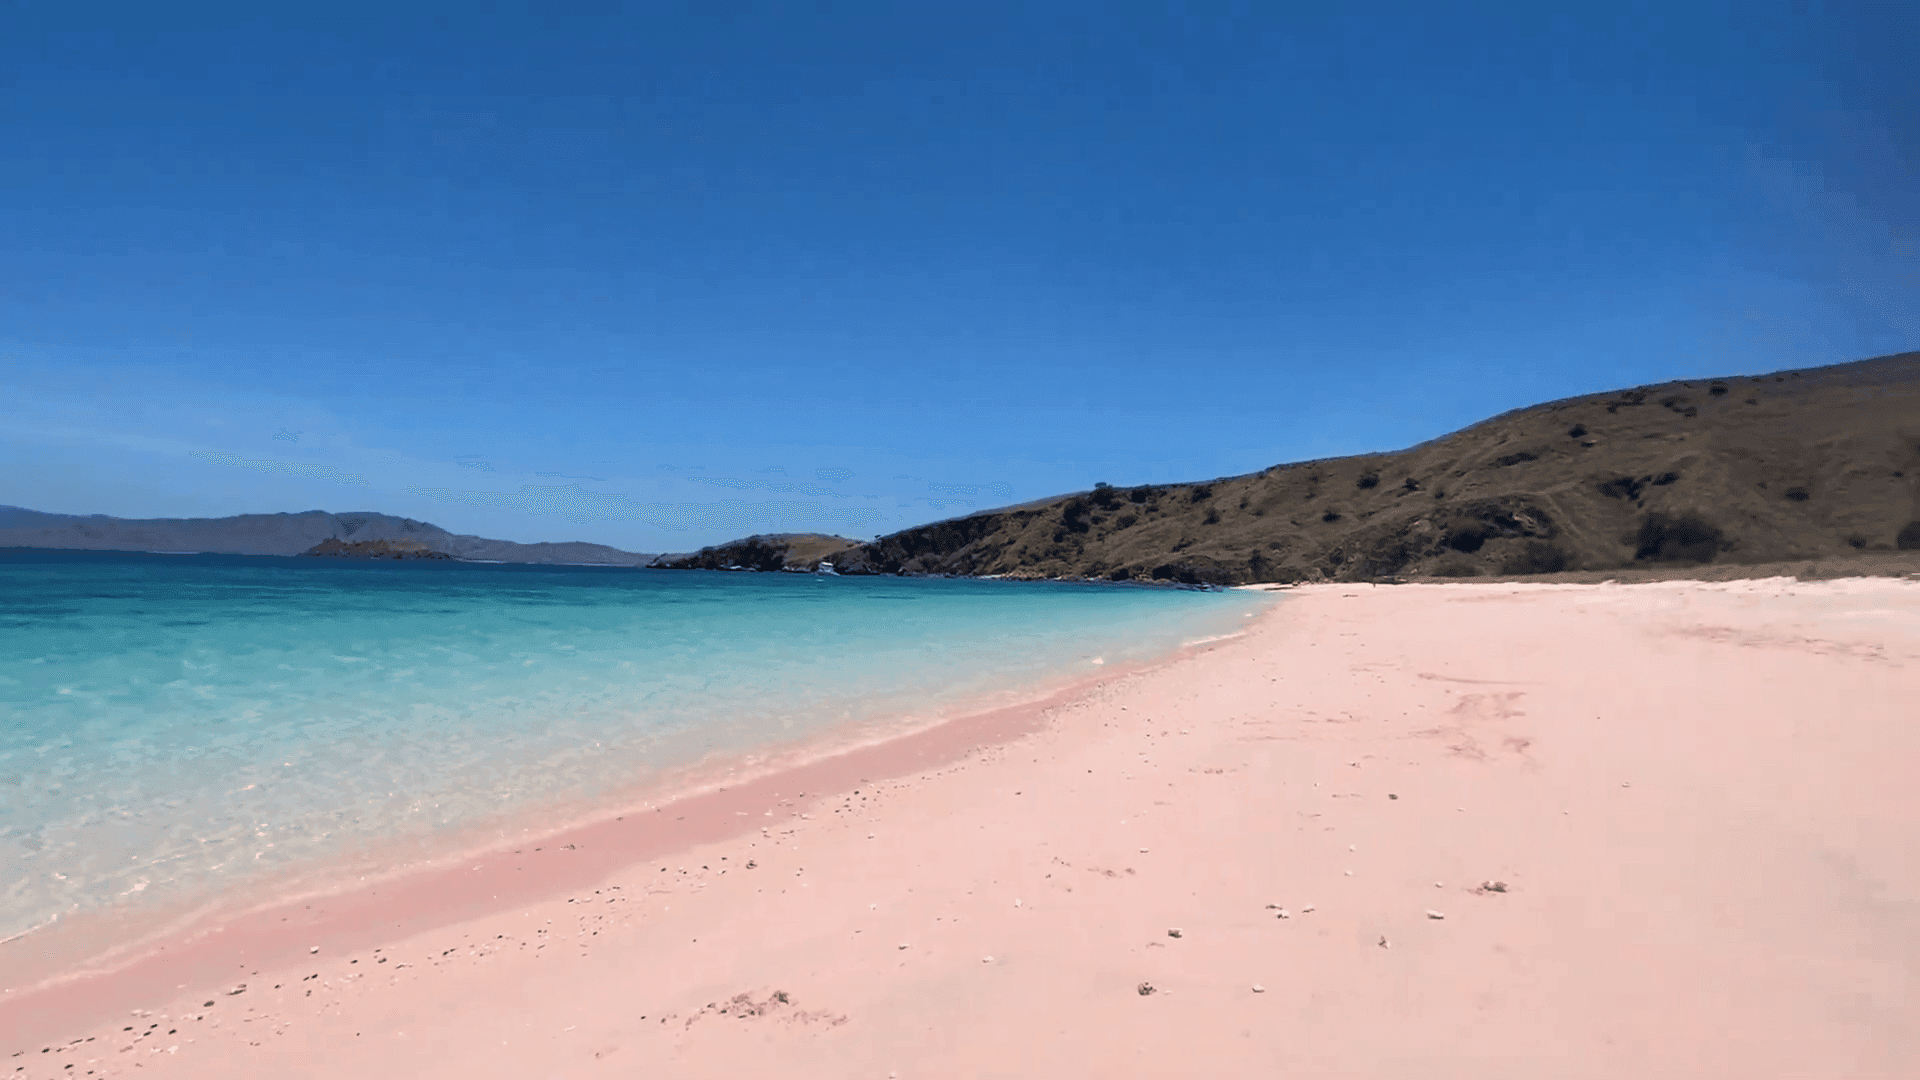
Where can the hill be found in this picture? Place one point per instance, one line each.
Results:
(768, 551)
(375, 549)
(1747, 469)
(284, 534)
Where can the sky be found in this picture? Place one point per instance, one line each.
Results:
(661, 275)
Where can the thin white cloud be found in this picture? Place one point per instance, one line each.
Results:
(281, 468)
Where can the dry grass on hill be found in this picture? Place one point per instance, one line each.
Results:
(1812, 464)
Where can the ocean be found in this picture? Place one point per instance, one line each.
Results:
(174, 728)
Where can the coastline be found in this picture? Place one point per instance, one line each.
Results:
(274, 922)
(1693, 797)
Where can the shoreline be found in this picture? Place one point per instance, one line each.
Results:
(222, 935)
(1449, 830)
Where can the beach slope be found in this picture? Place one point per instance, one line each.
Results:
(1430, 830)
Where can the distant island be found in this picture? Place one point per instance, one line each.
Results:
(1743, 470)
(375, 549)
(315, 532)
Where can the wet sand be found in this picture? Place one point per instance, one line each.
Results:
(1438, 830)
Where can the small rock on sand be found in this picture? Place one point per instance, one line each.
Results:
(1432, 914)
(1283, 914)
(313, 948)
(1306, 909)
(986, 959)
(1145, 988)
(1175, 932)
(1258, 989)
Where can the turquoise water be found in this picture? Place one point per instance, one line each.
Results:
(174, 726)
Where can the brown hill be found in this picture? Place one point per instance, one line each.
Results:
(1742, 470)
(770, 551)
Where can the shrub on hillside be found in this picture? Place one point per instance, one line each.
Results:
(1683, 537)
(1535, 557)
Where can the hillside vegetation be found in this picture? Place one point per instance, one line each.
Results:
(1742, 470)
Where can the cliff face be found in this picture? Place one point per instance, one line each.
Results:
(1749, 469)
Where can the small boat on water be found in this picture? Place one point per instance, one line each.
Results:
(826, 567)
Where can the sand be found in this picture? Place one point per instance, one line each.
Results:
(1697, 800)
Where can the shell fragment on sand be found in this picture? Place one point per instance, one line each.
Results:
(1432, 914)
(1258, 989)
(1144, 988)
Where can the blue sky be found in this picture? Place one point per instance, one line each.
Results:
(659, 275)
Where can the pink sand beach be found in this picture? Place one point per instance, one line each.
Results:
(1460, 830)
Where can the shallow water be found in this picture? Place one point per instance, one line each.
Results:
(176, 726)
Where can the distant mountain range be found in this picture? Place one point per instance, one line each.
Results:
(363, 535)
